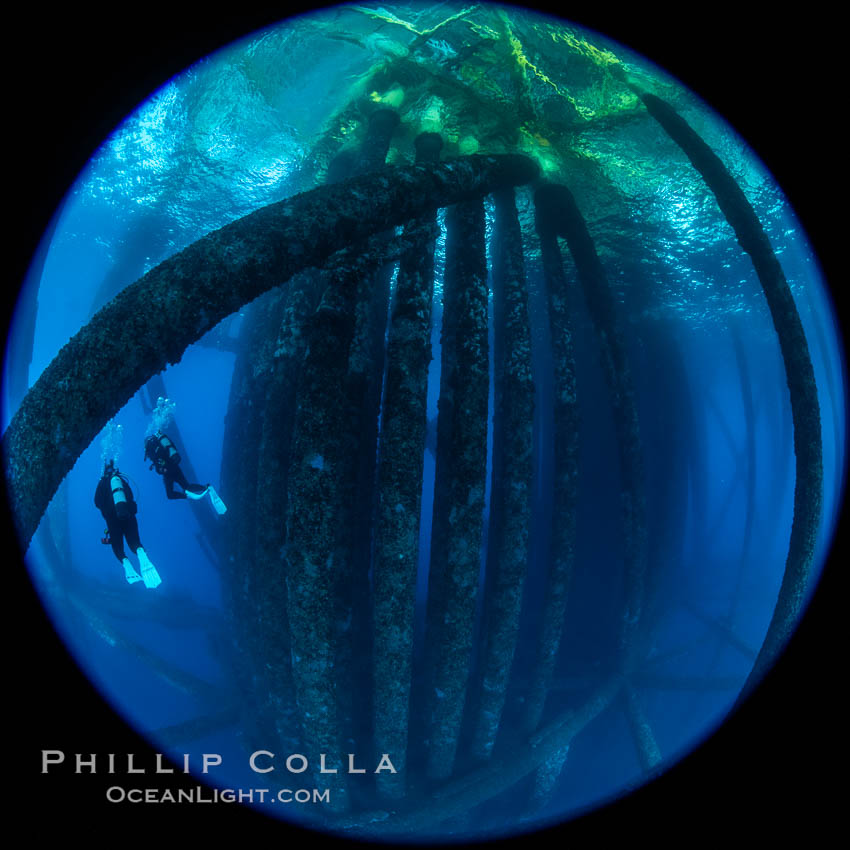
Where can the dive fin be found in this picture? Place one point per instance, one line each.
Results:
(130, 572)
(191, 495)
(219, 506)
(149, 574)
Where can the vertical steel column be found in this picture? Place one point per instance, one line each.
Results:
(243, 575)
(400, 488)
(566, 418)
(799, 372)
(459, 481)
(600, 304)
(317, 526)
(362, 391)
(275, 444)
(333, 454)
(510, 499)
(648, 752)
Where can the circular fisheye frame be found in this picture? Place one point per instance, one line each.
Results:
(422, 423)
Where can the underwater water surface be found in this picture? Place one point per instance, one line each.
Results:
(184, 663)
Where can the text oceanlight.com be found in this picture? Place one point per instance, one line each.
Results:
(199, 794)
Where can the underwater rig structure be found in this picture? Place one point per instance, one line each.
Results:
(328, 410)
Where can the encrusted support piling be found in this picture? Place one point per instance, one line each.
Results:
(373, 151)
(151, 322)
(459, 482)
(510, 499)
(242, 426)
(546, 778)
(400, 488)
(569, 223)
(362, 394)
(648, 752)
(244, 574)
(750, 455)
(277, 409)
(805, 409)
(566, 418)
(317, 516)
(321, 496)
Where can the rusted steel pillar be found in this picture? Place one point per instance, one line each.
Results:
(799, 372)
(242, 572)
(648, 752)
(318, 525)
(566, 419)
(363, 393)
(510, 499)
(402, 447)
(243, 421)
(379, 132)
(332, 479)
(318, 522)
(459, 482)
(277, 410)
(569, 223)
(546, 778)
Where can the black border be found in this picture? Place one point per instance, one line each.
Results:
(75, 74)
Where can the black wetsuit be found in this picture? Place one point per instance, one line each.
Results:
(166, 462)
(119, 515)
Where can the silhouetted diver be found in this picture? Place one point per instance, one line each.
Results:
(166, 462)
(114, 499)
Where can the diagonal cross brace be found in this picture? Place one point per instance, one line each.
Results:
(151, 323)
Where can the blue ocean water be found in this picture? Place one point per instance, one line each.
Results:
(710, 386)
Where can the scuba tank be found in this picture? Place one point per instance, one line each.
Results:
(118, 493)
(168, 446)
(161, 451)
(122, 497)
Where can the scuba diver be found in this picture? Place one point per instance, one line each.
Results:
(165, 460)
(114, 499)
